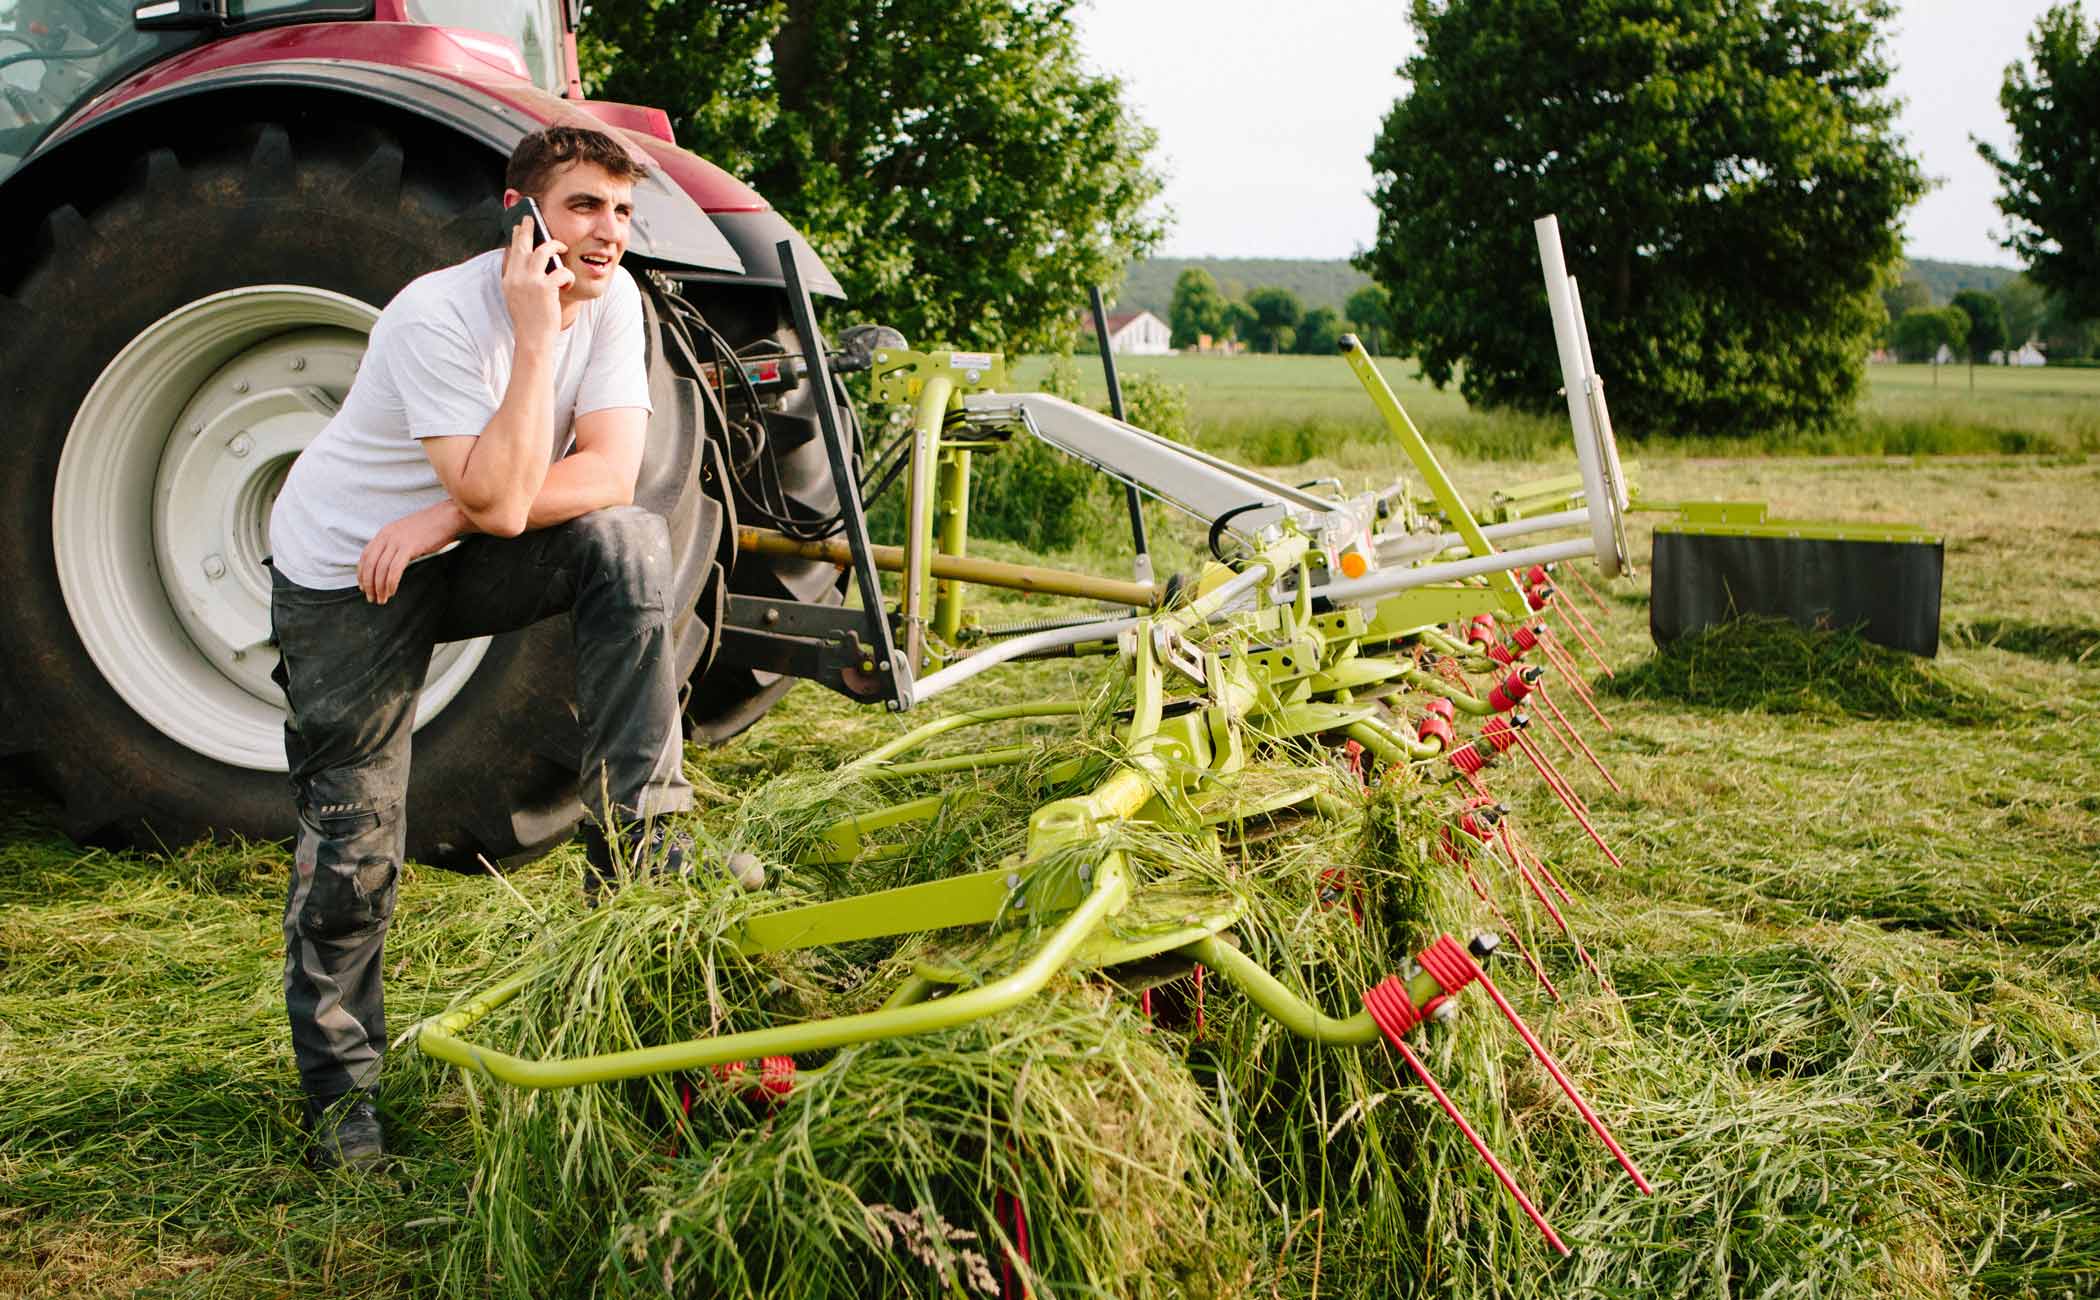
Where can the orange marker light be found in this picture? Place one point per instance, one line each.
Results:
(1354, 565)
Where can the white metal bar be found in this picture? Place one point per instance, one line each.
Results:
(1387, 581)
(1575, 379)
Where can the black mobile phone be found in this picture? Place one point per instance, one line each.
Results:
(517, 212)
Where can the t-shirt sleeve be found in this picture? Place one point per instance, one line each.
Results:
(443, 384)
(618, 371)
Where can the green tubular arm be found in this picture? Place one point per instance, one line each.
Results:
(903, 1014)
(1287, 1008)
(1437, 641)
(1389, 745)
(1293, 1012)
(918, 736)
(1004, 756)
(1435, 685)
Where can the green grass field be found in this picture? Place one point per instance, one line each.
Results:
(1856, 950)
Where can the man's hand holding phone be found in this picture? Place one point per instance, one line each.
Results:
(533, 277)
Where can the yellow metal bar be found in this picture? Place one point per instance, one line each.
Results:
(440, 1037)
(918, 533)
(952, 524)
(1440, 484)
(984, 573)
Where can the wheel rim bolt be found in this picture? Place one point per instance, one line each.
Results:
(298, 363)
(241, 445)
(214, 567)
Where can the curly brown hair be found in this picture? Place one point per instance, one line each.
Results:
(541, 155)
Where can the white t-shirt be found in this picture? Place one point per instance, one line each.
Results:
(437, 366)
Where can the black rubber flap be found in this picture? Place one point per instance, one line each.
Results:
(1889, 590)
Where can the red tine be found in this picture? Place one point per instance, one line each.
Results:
(1586, 750)
(1510, 930)
(1559, 920)
(1584, 629)
(1509, 1184)
(1554, 777)
(1558, 728)
(1587, 589)
(1567, 797)
(1567, 1085)
(1596, 637)
(1379, 1002)
(1572, 674)
(1509, 841)
(1519, 851)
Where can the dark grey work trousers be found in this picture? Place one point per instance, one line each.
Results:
(350, 672)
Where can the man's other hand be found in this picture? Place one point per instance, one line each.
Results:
(530, 290)
(388, 555)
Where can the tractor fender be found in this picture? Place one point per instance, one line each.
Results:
(680, 207)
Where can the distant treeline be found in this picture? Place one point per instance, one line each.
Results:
(1328, 282)
(1317, 283)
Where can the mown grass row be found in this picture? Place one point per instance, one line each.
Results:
(1854, 1037)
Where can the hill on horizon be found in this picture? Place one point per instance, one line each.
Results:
(1328, 282)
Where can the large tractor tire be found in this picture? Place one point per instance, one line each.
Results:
(169, 343)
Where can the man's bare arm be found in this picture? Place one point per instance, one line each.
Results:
(600, 472)
(496, 475)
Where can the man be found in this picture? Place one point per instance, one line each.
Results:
(478, 478)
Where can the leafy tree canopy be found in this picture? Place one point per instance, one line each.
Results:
(2022, 304)
(962, 172)
(2050, 184)
(1728, 181)
(1370, 316)
(1922, 331)
(1198, 308)
(1319, 332)
(1276, 315)
(1986, 333)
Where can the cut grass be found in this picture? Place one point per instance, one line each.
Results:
(1769, 665)
(1855, 1041)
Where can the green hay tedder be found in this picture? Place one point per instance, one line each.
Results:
(1365, 635)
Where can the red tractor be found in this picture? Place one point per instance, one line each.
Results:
(209, 202)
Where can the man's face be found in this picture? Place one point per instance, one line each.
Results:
(589, 210)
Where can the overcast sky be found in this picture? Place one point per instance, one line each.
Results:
(1265, 112)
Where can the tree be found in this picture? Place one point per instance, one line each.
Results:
(962, 172)
(1899, 297)
(1370, 317)
(2067, 336)
(2021, 303)
(1240, 321)
(1276, 316)
(1198, 308)
(1728, 180)
(2050, 185)
(1922, 331)
(1986, 330)
(1319, 332)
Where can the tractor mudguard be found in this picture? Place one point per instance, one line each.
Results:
(418, 71)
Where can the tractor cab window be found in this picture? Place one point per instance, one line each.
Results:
(533, 26)
(55, 53)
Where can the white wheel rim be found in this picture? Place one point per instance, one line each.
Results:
(160, 518)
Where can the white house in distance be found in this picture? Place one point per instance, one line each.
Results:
(1136, 333)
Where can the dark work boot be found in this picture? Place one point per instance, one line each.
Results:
(344, 1133)
(645, 849)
